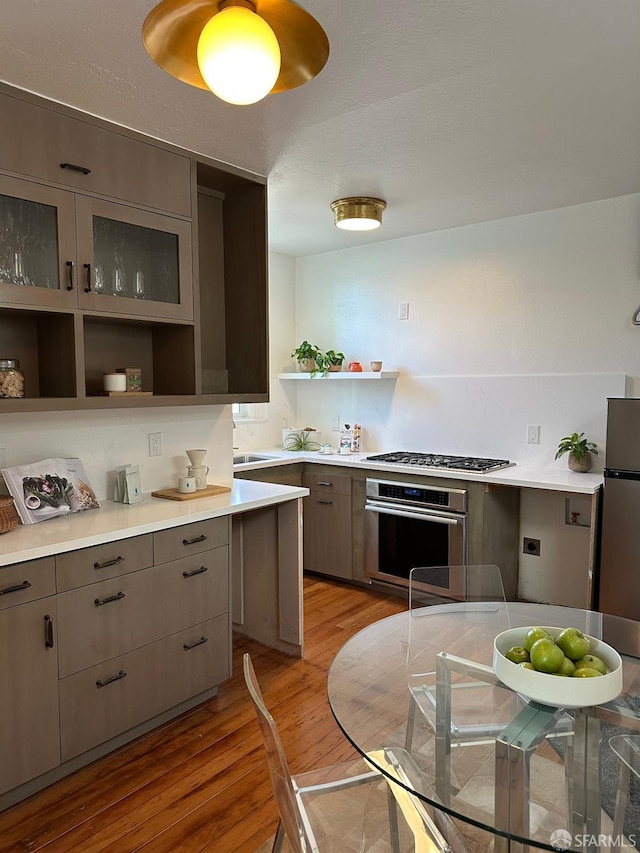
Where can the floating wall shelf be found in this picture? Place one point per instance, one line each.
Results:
(382, 374)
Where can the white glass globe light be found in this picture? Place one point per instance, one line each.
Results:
(239, 56)
(358, 224)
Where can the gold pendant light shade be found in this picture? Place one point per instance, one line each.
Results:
(172, 32)
(360, 213)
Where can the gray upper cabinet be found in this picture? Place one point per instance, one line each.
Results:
(44, 143)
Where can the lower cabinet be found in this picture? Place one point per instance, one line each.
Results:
(327, 523)
(138, 627)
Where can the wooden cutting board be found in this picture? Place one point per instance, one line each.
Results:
(175, 495)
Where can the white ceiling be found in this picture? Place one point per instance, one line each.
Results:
(454, 111)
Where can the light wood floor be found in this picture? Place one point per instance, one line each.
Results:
(200, 783)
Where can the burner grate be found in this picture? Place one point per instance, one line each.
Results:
(477, 464)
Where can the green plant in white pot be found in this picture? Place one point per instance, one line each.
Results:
(306, 355)
(579, 449)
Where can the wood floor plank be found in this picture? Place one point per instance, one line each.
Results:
(200, 783)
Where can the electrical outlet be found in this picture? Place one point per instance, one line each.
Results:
(155, 444)
(335, 423)
(403, 311)
(531, 546)
(533, 434)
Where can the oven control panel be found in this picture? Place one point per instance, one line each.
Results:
(409, 494)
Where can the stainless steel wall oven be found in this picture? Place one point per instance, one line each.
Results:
(409, 525)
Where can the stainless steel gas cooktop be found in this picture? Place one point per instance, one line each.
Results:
(475, 464)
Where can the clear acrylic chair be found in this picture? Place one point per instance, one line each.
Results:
(627, 749)
(349, 806)
(446, 689)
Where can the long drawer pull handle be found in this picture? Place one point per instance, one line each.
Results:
(195, 572)
(117, 597)
(325, 484)
(87, 288)
(103, 682)
(73, 168)
(188, 646)
(16, 588)
(329, 503)
(69, 265)
(106, 565)
(48, 632)
(202, 538)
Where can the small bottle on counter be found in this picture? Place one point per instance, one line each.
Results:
(11, 378)
(355, 439)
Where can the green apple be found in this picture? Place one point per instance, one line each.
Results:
(526, 664)
(534, 634)
(567, 667)
(517, 654)
(546, 656)
(573, 643)
(586, 672)
(592, 662)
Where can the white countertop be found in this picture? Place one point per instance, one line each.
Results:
(120, 521)
(554, 477)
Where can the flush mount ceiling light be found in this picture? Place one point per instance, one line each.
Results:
(242, 50)
(359, 213)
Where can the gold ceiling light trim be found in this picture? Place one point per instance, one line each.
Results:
(172, 29)
(358, 213)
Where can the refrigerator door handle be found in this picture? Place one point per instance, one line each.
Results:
(618, 474)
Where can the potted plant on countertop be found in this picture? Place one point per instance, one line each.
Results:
(579, 449)
(306, 355)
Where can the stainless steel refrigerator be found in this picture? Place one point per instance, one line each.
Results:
(619, 581)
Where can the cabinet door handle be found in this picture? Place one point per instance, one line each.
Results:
(188, 646)
(195, 572)
(329, 503)
(106, 565)
(48, 632)
(193, 541)
(69, 265)
(16, 588)
(102, 682)
(88, 285)
(73, 168)
(325, 484)
(117, 597)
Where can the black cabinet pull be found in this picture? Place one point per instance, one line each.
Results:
(73, 168)
(106, 565)
(188, 646)
(117, 597)
(103, 682)
(69, 265)
(325, 484)
(88, 285)
(48, 632)
(325, 502)
(193, 541)
(16, 588)
(195, 572)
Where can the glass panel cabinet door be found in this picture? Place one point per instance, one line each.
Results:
(37, 244)
(133, 261)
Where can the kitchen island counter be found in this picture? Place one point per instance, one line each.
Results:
(552, 477)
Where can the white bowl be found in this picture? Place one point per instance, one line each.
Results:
(554, 690)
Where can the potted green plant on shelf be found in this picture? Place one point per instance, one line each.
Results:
(306, 355)
(329, 362)
(579, 449)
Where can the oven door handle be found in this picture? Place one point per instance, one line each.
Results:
(418, 515)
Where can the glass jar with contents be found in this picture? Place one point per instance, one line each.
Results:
(11, 378)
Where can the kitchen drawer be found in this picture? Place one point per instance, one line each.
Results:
(327, 534)
(145, 683)
(190, 539)
(36, 140)
(28, 581)
(101, 621)
(101, 562)
(339, 484)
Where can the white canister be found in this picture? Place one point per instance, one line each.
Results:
(114, 381)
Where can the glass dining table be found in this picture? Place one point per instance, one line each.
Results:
(500, 772)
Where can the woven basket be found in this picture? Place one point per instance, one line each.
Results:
(8, 515)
